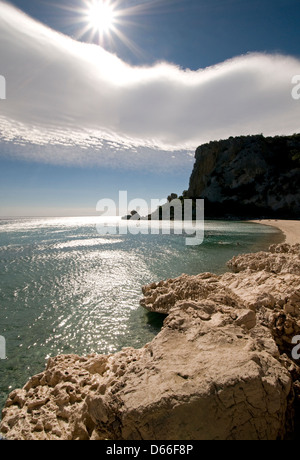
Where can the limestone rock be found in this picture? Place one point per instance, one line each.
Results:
(248, 176)
(220, 368)
(282, 258)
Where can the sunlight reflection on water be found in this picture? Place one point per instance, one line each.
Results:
(66, 289)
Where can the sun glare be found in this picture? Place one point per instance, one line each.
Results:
(101, 22)
(101, 16)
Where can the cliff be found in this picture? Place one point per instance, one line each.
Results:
(221, 367)
(249, 176)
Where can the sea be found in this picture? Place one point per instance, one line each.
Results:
(67, 289)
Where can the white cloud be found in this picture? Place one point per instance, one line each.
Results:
(70, 102)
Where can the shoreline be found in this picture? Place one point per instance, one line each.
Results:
(289, 228)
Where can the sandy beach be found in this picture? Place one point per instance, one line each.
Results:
(290, 228)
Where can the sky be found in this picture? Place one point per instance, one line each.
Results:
(91, 109)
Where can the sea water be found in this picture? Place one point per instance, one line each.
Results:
(66, 289)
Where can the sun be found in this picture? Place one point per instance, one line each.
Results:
(102, 22)
(100, 16)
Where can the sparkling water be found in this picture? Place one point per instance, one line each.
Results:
(66, 289)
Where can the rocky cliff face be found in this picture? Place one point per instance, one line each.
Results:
(249, 176)
(220, 369)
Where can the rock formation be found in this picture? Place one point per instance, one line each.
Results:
(220, 369)
(249, 176)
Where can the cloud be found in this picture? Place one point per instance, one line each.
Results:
(73, 103)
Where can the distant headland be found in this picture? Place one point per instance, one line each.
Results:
(245, 177)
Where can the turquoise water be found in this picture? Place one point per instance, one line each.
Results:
(66, 289)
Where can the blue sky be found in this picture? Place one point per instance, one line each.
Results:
(134, 125)
(190, 33)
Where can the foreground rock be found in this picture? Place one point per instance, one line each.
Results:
(220, 368)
